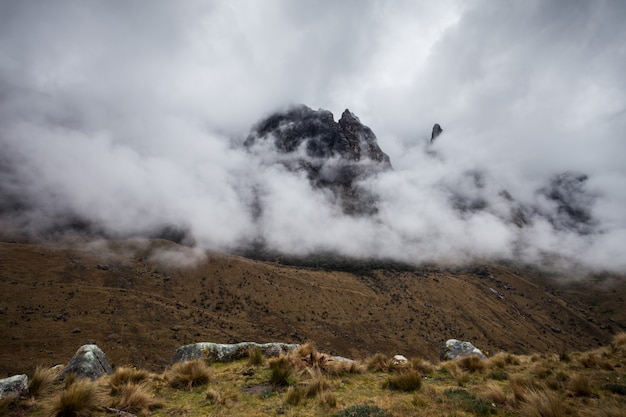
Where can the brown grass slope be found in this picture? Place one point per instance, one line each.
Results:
(140, 307)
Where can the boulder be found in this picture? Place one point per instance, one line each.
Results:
(455, 349)
(399, 359)
(89, 361)
(228, 352)
(16, 385)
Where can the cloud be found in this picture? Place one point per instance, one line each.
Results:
(130, 120)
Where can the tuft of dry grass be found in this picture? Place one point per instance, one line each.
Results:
(378, 363)
(41, 383)
(619, 341)
(588, 360)
(336, 368)
(495, 393)
(135, 397)
(314, 386)
(472, 363)
(407, 381)
(327, 399)
(579, 386)
(542, 369)
(501, 359)
(81, 398)
(281, 371)
(188, 374)
(520, 386)
(256, 357)
(214, 397)
(421, 365)
(543, 404)
(124, 375)
(7, 403)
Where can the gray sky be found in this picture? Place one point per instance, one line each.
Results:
(130, 113)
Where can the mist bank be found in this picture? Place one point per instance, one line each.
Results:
(264, 201)
(133, 122)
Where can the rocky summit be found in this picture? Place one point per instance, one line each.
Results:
(335, 155)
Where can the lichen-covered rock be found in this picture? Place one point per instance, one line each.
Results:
(16, 385)
(455, 349)
(89, 361)
(228, 352)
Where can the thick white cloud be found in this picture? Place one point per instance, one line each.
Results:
(132, 115)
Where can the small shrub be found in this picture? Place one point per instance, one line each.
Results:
(135, 398)
(378, 363)
(616, 388)
(579, 386)
(189, 374)
(80, 398)
(363, 411)
(281, 371)
(405, 381)
(471, 363)
(41, 382)
(543, 404)
(256, 357)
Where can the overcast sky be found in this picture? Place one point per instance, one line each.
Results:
(131, 113)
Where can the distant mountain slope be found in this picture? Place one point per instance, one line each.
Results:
(140, 299)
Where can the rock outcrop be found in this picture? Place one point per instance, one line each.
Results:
(228, 352)
(335, 155)
(16, 385)
(572, 203)
(89, 362)
(455, 349)
(436, 132)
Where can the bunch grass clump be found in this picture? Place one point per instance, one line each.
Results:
(81, 398)
(135, 398)
(407, 381)
(378, 363)
(256, 357)
(41, 383)
(124, 375)
(579, 386)
(542, 403)
(281, 371)
(189, 374)
(472, 363)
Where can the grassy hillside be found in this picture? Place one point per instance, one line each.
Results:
(307, 383)
(139, 300)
